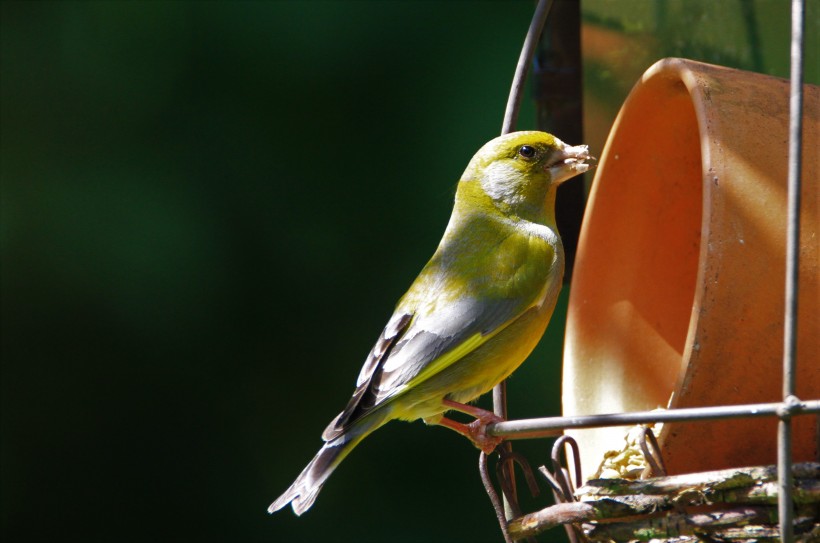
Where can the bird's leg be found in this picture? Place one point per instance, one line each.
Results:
(476, 431)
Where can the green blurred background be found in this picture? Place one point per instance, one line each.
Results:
(208, 211)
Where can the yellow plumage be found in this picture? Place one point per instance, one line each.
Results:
(476, 310)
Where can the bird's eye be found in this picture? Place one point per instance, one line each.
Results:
(526, 151)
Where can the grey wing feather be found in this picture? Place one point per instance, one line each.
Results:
(409, 343)
(429, 338)
(396, 326)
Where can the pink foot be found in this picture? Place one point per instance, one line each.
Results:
(476, 431)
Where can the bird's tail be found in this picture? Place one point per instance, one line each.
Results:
(302, 493)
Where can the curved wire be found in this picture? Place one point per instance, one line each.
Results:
(524, 63)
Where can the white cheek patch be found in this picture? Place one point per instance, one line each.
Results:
(501, 182)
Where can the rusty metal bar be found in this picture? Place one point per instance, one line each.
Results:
(553, 426)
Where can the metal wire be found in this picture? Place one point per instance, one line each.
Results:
(657, 467)
(563, 489)
(784, 433)
(524, 63)
(551, 426)
(493, 495)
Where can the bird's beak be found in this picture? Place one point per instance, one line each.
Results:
(569, 161)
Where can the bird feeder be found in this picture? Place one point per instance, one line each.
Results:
(677, 297)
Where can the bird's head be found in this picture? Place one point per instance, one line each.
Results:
(521, 170)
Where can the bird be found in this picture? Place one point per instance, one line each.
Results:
(474, 313)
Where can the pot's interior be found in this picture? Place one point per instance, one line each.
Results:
(634, 283)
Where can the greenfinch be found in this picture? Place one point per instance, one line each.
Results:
(474, 313)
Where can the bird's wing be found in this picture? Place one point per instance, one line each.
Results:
(395, 329)
(447, 320)
(435, 340)
(414, 347)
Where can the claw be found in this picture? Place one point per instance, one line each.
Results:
(475, 431)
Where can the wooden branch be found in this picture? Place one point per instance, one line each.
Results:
(805, 492)
(577, 512)
(731, 504)
(562, 513)
(715, 480)
(724, 526)
(678, 525)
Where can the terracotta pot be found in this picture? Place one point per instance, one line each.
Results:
(678, 293)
